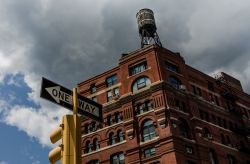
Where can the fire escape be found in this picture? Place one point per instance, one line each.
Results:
(231, 96)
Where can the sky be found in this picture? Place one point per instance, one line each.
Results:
(70, 41)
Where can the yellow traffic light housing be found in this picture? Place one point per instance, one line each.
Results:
(56, 153)
(69, 151)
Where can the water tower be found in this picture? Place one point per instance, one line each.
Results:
(147, 28)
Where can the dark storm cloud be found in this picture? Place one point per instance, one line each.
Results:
(70, 41)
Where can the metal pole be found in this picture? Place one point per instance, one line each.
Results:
(77, 130)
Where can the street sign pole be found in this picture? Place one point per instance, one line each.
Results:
(77, 133)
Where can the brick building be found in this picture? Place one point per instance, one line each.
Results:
(158, 110)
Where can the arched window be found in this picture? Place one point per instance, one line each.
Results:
(184, 128)
(96, 144)
(111, 138)
(87, 129)
(120, 135)
(174, 82)
(87, 147)
(213, 156)
(148, 130)
(140, 83)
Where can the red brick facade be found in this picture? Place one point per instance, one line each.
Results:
(165, 112)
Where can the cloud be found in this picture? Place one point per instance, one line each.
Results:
(70, 41)
(3, 162)
(36, 124)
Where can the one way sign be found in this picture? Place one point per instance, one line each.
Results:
(63, 96)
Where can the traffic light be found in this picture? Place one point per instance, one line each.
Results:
(56, 135)
(69, 151)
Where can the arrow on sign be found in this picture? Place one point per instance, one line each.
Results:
(59, 95)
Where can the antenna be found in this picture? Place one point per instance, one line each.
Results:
(147, 28)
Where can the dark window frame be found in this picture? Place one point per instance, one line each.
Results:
(172, 67)
(148, 152)
(138, 68)
(111, 80)
(148, 130)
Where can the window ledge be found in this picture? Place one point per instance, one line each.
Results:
(141, 114)
(139, 73)
(105, 148)
(177, 73)
(179, 111)
(149, 141)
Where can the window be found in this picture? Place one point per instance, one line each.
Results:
(111, 138)
(140, 83)
(193, 89)
(201, 114)
(93, 88)
(88, 147)
(219, 121)
(109, 96)
(172, 67)
(111, 80)
(87, 128)
(117, 117)
(116, 92)
(137, 68)
(144, 107)
(180, 105)
(93, 162)
(228, 141)
(96, 145)
(140, 108)
(189, 150)
(184, 128)
(94, 98)
(207, 116)
(207, 133)
(224, 123)
(148, 130)
(222, 139)
(109, 120)
(213, 156)
(217, 100)
(94, 126)
(120, 136)
(174, 82)
(148, 105)
(196, 90)
(214, 119)
(117, 159)
(199, 91)
(231, 159)
(210, 86)
(190, 162)
(149, 152)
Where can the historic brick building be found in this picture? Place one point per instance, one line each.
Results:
(158, 110)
